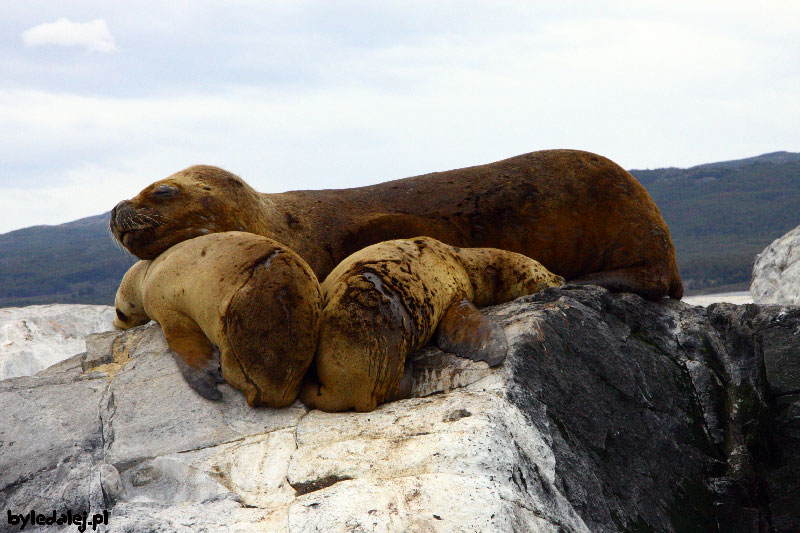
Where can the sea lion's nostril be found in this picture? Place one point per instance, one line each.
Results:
(119, 210)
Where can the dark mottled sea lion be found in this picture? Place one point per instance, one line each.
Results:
(579, 214)
(386, 301)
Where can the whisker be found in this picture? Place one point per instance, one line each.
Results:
(140, 221)
(117, 245)
(151, 219)
(159, 215)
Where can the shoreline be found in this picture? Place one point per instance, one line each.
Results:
(734, 297)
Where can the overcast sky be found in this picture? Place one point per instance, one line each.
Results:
(100, 98)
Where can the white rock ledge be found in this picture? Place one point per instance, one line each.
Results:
(37, 336)
(445, 462)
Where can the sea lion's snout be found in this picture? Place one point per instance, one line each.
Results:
(121, 320)
(124, 221)
(120, 208)
(121, 212)
(134, 228)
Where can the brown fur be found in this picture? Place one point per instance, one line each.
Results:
(579, 214)
(385, 302)
(253, 298)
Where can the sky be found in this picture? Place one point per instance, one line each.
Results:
(100, 98)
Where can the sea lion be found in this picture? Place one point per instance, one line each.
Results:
(233, 300)
(386, 301)
(579, 214)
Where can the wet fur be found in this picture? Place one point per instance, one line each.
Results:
(579, 214)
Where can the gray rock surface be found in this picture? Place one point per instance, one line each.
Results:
(37, 336)
(776, 272)
(610, 414)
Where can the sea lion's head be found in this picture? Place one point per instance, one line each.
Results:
(128, 302)
(196, 201)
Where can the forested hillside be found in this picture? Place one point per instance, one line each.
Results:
(720, 215)
(75, 262)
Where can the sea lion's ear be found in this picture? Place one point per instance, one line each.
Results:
(468, 333)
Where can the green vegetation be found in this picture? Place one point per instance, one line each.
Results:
(76, 262)
(720, 215)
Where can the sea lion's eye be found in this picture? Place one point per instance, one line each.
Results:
(164, 191)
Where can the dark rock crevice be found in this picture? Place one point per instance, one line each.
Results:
(317, 484)
(697, 448)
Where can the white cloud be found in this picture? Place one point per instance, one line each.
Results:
(296, 96)
(93, 35)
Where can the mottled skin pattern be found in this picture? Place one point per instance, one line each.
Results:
(251, 298)
(579, 214)
(385, 302)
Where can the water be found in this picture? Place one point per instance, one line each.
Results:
(738, 297)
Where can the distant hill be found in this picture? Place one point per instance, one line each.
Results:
(720, 216)
(76, 262)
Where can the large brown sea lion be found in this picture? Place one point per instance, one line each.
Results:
(579, 214)
(386, 301)
(250, 297)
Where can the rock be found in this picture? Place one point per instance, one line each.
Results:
(611, 413)
(35, 337)
(776, 272)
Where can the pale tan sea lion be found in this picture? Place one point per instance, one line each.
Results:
(253, 298)
(579, 214)
(385, 302)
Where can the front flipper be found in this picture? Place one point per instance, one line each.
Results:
(468, 333)
(196, 357)
(204, 381)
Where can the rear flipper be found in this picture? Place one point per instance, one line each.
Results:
(468, 333)
(650, 282)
